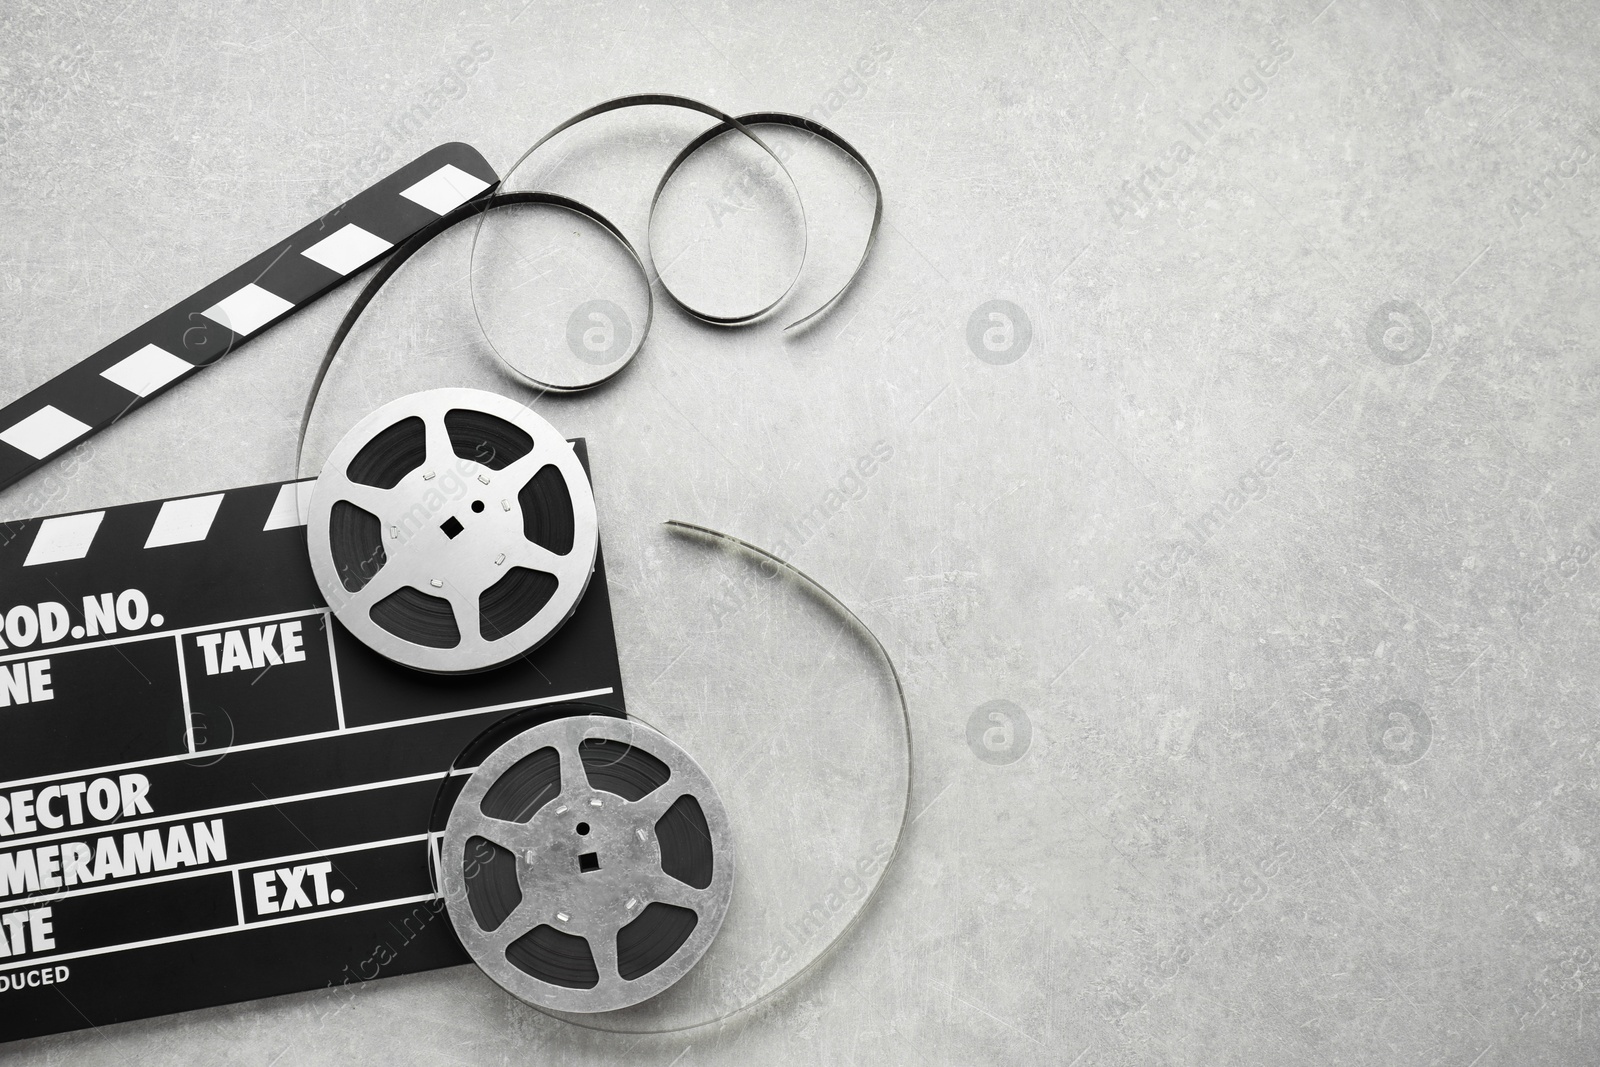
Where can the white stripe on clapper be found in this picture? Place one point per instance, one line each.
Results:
(183, 521)
(45, 431)
(146, 370)
(347, 249)
(445, 190)
(64, 537)
(248, 310)
(289, 508)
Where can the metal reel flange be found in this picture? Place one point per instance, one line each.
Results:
(441, 510)
(587, 864)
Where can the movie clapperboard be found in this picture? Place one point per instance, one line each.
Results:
(210, 791)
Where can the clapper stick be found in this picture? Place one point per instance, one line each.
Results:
(198, 331)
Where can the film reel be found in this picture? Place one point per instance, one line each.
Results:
(587, 864)
(452, 530)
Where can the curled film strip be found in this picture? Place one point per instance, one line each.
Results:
(725, 124)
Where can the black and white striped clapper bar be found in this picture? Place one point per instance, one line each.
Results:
(196, 332)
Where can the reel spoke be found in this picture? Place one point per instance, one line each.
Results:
(650, 808)
(465, 606)
(440, 453)
(519, 471)
(538, 558)
(603, 943)
(574, 780)
(379, 503)
(391, 577)
(524, 917)
(508, 835)
(668, 890)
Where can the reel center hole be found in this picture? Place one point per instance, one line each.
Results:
(451, 527)
(589, 861)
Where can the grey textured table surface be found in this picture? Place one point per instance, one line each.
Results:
(1267, 504)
